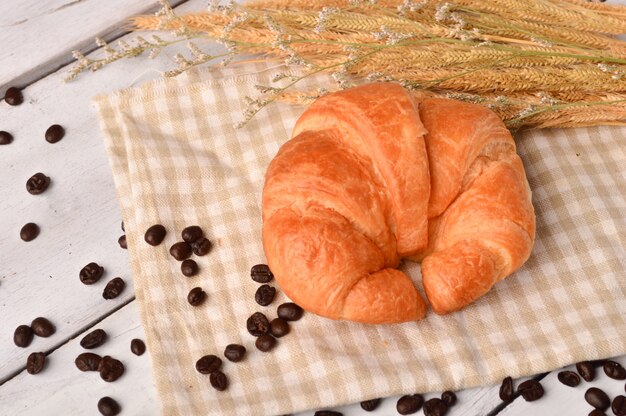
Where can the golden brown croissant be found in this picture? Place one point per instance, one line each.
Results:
(374, 174)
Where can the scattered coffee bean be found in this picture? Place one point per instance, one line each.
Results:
(597, 412)
(155, 235)
(37, 183)
(598, 363)
(196, 296)
(42, 327)
(35, 362)
(91, 273)
(189, 268)
(265, 343)
(261, 273)
(113, 288)
(137, 347)
(234, 352)
(5, 137)
(23, 336)
(88, 361)
(192, 234)
(29, 232)
(257, 324)
(201, 246)
(597, 398)
(327, 413)
(218, 380)
(370, 405)
(619, 406)
(54, 133)
(409, 404)
(108, 407)
(614, 370)
(449, 398)
(110, 369)
(13, 96)
(531, 390)
(506, 389)
(569, 378)
(180, 251)
(122, 242)
(435, 407)
(208, 364)
(289, 311)
(279, 327)
(264, 295)
(94, 339)
(586, 370)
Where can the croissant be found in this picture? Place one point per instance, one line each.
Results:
(375, 174)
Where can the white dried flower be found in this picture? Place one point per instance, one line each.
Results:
(322, 19)
(442, 12)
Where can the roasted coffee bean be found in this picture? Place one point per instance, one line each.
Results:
(13, 96)
(54, 133)
(91, 273)
(29, 231)
(279, 327)
(189, 268)
(569, 378)
(201, 246)
(265, 343)
(531, 390)
(586, 370)
(598, 363)
(192, 234)
(289, 311)
(234, 352)
(94, 339)
(265, 295)
(113, 288)
(258, 324)
(196, 296)
(327, 413)
(409, 404)
(42, 327)
(108, 407)
(618, 406)
(122, 242)
(370, 405)
(449, 398)
(110, 369)
(435, 407)
(261, 273)
(5, 137)
(88, 361)
(155, 235)
(137, 346)
(614, 370)
(597, 398)
(37, 183)
(35, 362)
(208, 364)
(218, 380)
(180, 251)
(23, 336)
(597, 412)
(506, 389)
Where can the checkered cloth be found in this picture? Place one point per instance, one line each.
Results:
(178, 161)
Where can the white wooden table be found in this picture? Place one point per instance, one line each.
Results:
(80, 223)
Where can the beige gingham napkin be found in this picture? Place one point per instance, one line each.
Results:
(178, 161)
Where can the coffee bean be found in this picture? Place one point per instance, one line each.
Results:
(91, 273)
(192, 234)
(37, 183)
(23, 336)
(409, 404)
(13, 96)
(5, 137)
(180, 251)
(569, 378)
(108, 407)
(506, 389)
(449, 398)
(289, 311)
(218, 380)
(257, 324)
(618, 406)
(113, 288)
(137, 347)
(201, 246)
(94, 339)
(54, 133)
(279, 327)
(586, 370)
(208, 364)
(597, 412)
(88, 361)
(614, 370)
(531, 390)
(597, 398)
(598, 363)
(110, 369)
(265, 343)
(327, 413)
(122, 242)
(196, 296)
(35, 362)
(42, 327)
(264, 295)
(234, 352)
(29, 232)
(261, 273)
(435, 407)
(189, 268)
(155, 235)
(370, 405)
